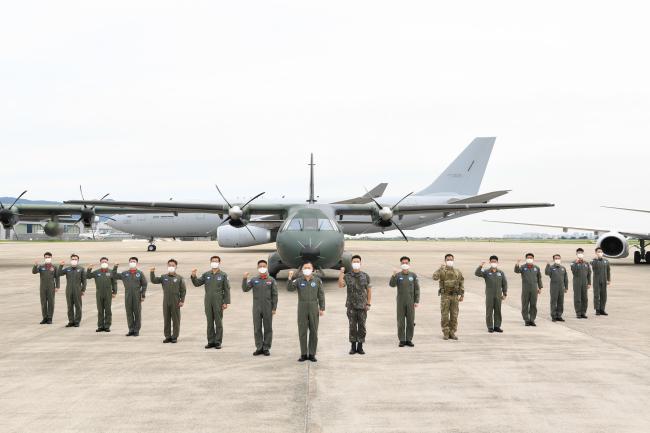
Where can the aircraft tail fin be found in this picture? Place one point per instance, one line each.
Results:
(465, 174)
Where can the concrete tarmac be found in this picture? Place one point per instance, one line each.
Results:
(578, 376)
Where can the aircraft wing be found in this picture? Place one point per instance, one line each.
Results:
(628, 209)
(39, 212)
(376, 192)
(634, 235)
(188, 207)
(369, 209)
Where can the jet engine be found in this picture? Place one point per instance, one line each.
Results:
(614, 245)
(233, 237)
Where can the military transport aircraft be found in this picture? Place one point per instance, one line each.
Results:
(314, 232)
(51, 216)
(458, 184)
(615, 244)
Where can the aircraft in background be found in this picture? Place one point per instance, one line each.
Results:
(615, 244)
(315, 232)
(458, 184)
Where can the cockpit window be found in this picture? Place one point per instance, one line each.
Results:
(310, 224)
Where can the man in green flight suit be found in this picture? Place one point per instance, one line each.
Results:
(357, 302)
(49, 285)
(216, 300)
(75, 288)
(451, 292)
(496, 290)
(408, 298)
(531, 287)
(135, 288)
(311, 305)
(559, 286)
(581, 283)
(105, 291)
(602, 274)
(173, 299)
(265, 302)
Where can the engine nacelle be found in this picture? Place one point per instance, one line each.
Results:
(232, 237)
(614, 245)
(53, 229)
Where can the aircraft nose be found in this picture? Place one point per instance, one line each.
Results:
(310, 253)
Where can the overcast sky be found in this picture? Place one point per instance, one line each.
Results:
(156, 99)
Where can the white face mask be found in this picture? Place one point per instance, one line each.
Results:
(104, 265)
(581, 256)
(493, 265)
(307, 272)
(214, 265)
(48, 260)
(356, 266)
(600, 255)
(405, 266)
(529, 261)
(557, 261)
(74, 262)
(262, 270)
(450, 263)
(133, 265)
(171, 269)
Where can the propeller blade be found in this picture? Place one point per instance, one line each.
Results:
(110, 218)
(401, 200)
(16, 201)
(249, 231)
(79, 220)
(81, 191)
(400, 230)
(105, 195)
(249, 201)
(224, 221)
(223, 196)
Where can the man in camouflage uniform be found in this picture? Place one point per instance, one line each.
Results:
(531, 287)
(49, 277)
(496, 290)
(265, 302)
(135, 288)
(581, 283)
(311, 305)
(173, 299)
(216, 300)
(75, 288)
(451, 292)
(105, 291)
(408, 298)
(559, 286)
(602, 278)
(359, 296)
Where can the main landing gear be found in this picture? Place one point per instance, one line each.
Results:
(152, 247)
(642, 256)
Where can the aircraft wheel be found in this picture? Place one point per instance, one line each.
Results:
(647, 257)
(151, 248)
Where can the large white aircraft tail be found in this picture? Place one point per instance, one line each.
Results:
(465, 174)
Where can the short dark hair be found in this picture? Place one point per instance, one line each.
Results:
(556, 255)
(494, 258)
(598, 249)
(308, 263)
(74, 255)
(531, 255)
(405, 258)
(215, 257)
(356, 256)
(580, 250)
(133, 258)
(103, 258)
(449, 255)
(172, 261)
(47, 254)
(262, 261)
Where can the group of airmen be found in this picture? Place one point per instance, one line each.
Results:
(311, 296)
